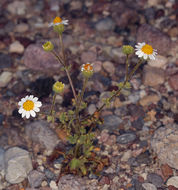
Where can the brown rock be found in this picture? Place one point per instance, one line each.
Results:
(153, 76)
(166, 170)
(173, 82)
(171, 187)
(154, 37)
(37, 59)
(165, 143)
(146, 100)
(88, 56)
(174, 48)
(123, 15)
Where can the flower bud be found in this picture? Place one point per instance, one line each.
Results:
(48, 46)
(87, 70)
(126, 49)
(59, 28)
(58, 87)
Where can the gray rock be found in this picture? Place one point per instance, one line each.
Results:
(17, 165)
(35, 178)
(156, 38)
(105, 24)
(165, 143)
(155, 179)
(149, 186)
(5, 61)
(111, 122)
(143, 158)
(126, 138)
(2, 159)
(40, 132)
(37, 59)
(69, 182)
(5, 78)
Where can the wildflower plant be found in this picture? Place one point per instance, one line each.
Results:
(82, 158)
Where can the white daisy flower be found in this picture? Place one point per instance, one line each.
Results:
(29, 105)
(58, 21)
(145, 50)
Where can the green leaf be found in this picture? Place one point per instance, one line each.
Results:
(74, 164)
(70, 112)
(83, 130)
(127, 85)
(63, 117)
(83, 169)
(72, 139)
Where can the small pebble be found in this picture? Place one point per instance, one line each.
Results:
(149, 186)
(5, 78)
(173, 181)
(53, 185)
(16, 47)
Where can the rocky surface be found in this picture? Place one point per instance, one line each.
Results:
(139, 133)
(37, 59)
(18, 164)
(165, 144)
(39, 132)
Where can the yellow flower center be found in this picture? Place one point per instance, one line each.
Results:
(28, 105)
(147, 49)
(57, 20)
(88, 67)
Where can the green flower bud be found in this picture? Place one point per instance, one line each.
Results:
(126, 49)
(58, 87)
(48, 46)
(59, 28)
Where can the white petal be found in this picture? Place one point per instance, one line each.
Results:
(152, 57)
(145, 56)
(23, 113)
(36, 109)
(32, 113)
(30, 97)
(27, 114)
(38, 104)
(26, 97)
(137, 52)
(35, 99)
(20, 103)
(50, 24)
(21, 110)
(57, 23)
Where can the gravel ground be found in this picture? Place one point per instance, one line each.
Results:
(140, 132)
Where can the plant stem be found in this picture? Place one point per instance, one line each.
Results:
(127, 78)
(127, 66)
(58, 58)
(52, 107)
(65, 67)
(83, 90)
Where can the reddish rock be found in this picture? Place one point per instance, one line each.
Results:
(173, 82)
(156, 38)
(153, 76)
(171, 187)
(104, 180)
(37, 59)
(166, 170)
